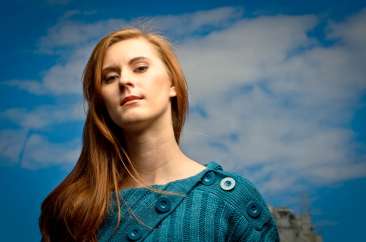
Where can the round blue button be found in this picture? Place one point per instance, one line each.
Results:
(134, 233)
(163, 205)
(209, 178)
(227, 183)
(253, 209)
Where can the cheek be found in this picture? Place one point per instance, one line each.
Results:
(158, 93)
(161, 85)
(108, 98)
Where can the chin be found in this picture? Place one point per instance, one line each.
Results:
(135, 121)
(138, 118)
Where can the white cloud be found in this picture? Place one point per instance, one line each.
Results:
(31, 86)
(33, 151)
(44, 116)
(71, 34)
(284, 96)
(186, 24)
(241, 53)
(352, 31)
(39, 153)
(11, 144)
(64, 78)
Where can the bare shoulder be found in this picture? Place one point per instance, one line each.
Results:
(192, 168)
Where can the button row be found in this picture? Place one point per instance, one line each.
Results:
(253, 209)
(164, 205)
(226, 184)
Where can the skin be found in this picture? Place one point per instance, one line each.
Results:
(133, 67)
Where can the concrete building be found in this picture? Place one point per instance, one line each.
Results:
(294, 228)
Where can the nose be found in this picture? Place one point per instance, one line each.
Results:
(125, 79)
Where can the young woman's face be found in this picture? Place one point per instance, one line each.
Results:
(136, 87)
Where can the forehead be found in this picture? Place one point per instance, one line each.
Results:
(125, 50)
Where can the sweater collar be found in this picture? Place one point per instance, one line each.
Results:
(185, 182)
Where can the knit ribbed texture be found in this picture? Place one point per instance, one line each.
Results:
(208, 212)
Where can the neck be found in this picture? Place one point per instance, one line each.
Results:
(156, 156)
(151, 150)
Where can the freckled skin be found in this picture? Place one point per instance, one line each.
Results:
(147, 77)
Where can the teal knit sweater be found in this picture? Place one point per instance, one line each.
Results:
(216, 206)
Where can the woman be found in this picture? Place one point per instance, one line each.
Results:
(132, 181)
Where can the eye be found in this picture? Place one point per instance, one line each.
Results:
(141, 69)
(110, 78)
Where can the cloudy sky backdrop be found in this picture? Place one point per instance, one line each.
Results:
(277, 94)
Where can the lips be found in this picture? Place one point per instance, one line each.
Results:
(130, 98)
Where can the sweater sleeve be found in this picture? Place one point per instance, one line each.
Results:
(253, 220)
(244, 232)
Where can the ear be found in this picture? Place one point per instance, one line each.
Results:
(172, 92)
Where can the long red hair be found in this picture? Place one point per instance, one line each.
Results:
(76, 208)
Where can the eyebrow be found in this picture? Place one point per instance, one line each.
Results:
(137, 59)
(116, 68)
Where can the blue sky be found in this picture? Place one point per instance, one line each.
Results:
(277, 92)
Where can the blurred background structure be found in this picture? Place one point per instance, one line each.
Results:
(295, 228)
